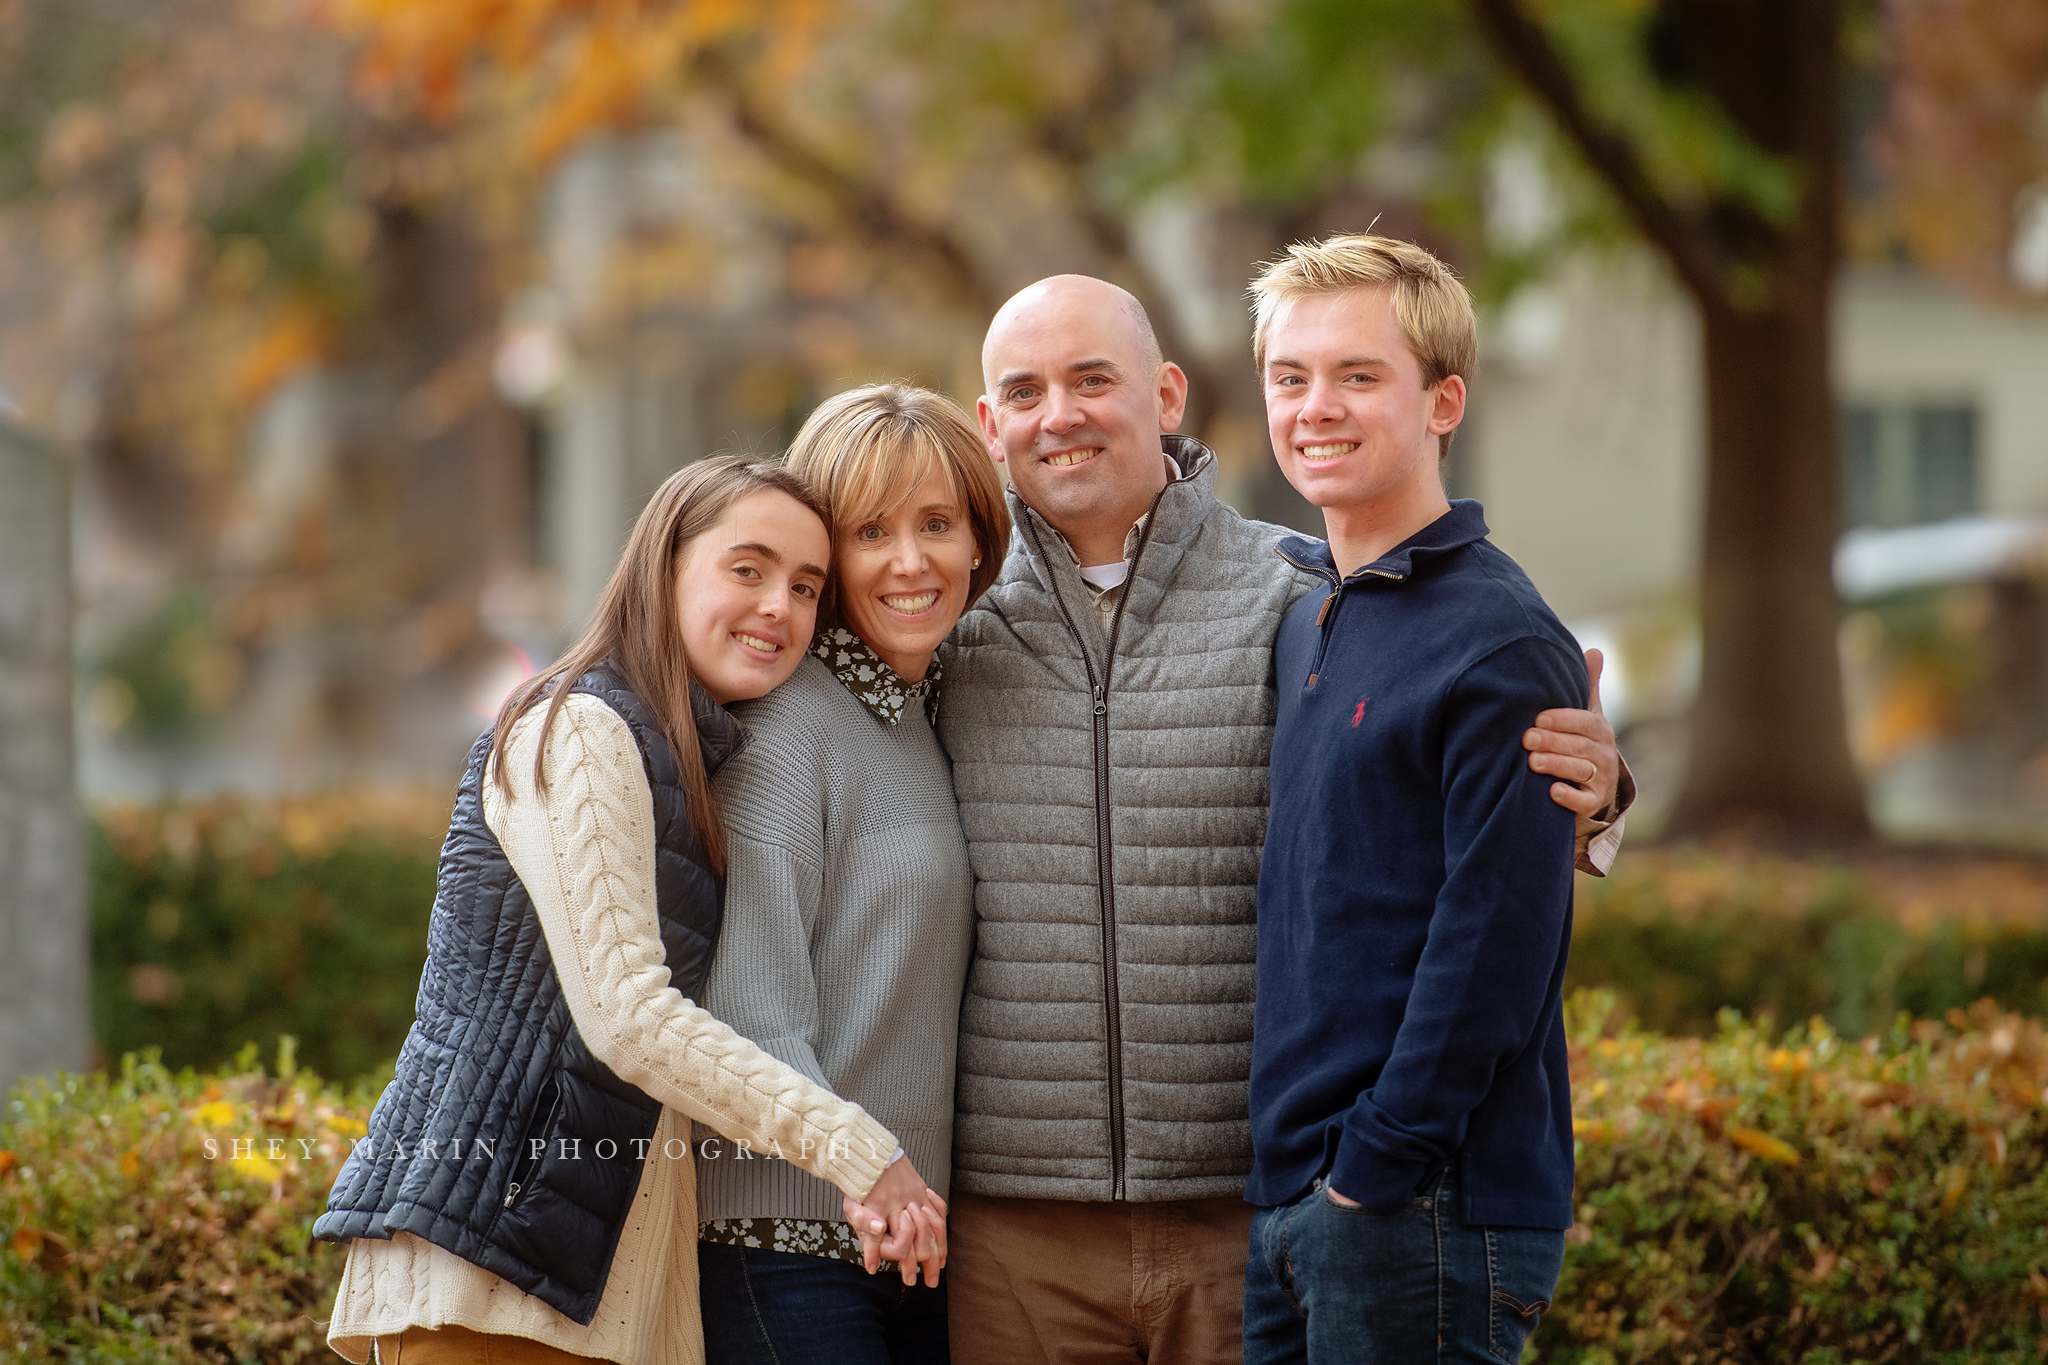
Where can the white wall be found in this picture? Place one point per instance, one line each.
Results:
(1586, 436)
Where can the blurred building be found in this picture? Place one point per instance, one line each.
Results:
(1586, 443)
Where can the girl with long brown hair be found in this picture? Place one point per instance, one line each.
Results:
(527, 1188)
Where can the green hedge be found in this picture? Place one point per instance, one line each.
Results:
(1807, 1198)
(132, 1230)
(221, 923)
(1679, 935)
(1748, 1197)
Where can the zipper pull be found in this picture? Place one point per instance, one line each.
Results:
(511, 1194)
(1324, 614)
(1101, 706)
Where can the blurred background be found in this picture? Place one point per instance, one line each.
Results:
(341, 340)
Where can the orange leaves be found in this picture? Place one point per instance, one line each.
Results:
(602, 63)
(601, 89)
(1763, 1145)
(28, 1242)
(297, 335)
(1963, 141)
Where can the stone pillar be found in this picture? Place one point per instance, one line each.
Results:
(45, 1021)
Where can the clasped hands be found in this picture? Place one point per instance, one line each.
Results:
(901, 1220)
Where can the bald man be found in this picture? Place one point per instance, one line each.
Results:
(1109, 711)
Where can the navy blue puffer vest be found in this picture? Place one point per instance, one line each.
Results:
(501, 1138)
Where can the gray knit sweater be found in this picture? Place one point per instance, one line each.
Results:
(849, 914)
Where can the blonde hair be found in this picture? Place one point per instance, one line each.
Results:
(638, 630)
(865, 451)
(1430, 303)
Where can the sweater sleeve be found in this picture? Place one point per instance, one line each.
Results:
(1496, 946)
(584, 850)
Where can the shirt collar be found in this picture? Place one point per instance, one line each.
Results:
(1464, 524)
(879, 687)
(1174, 474)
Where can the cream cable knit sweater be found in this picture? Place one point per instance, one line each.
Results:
(585, 852)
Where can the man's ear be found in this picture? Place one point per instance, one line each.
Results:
(1173, 395)
(985, 410)
(1447, 405)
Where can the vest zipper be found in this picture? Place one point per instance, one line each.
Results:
(1105, 864)
(544, 1116)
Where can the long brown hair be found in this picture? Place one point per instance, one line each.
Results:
(635, 626)
(865, 452)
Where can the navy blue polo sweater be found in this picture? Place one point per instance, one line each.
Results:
(1416, 890)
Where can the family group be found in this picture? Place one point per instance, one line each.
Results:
(1152, 919)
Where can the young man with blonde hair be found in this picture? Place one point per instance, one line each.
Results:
(1410, 1103)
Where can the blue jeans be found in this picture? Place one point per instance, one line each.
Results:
(1329, 1285)
(783, 1308)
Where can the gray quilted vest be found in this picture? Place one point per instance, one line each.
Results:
(1112, 784)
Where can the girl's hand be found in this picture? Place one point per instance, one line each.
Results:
(901, 1220)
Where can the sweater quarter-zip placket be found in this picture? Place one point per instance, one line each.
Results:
(1105, 863)
(1326, 615)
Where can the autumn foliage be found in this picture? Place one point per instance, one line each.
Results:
(600, 60)
(1967, 142)
(134, 1228)
(1807, 1197)
(1754, 1196)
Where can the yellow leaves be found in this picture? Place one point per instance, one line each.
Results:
(7, 1160)
(1783, 1060)
(214, 1114)
(1763, 1146)
(130, 1164)
(1958, 1185)
(261, 1169)
(28, 1242)
(346, 1126)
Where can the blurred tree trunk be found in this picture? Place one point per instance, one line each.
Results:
(44, 1006)
(1769, 748)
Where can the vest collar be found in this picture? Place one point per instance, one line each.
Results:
(719, 736)
(1177, 513)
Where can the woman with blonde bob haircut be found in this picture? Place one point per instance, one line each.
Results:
(849, 903)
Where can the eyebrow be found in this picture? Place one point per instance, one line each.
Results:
(1349, 362)
(1102, 362)
(770, 554)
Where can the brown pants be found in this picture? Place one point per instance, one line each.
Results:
(460, 1346)
(1060, 1282)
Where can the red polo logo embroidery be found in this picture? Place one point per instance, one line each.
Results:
(1359, 714)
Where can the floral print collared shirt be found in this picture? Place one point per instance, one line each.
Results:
(880, 688)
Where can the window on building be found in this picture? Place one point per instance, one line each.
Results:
(1903, 465)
